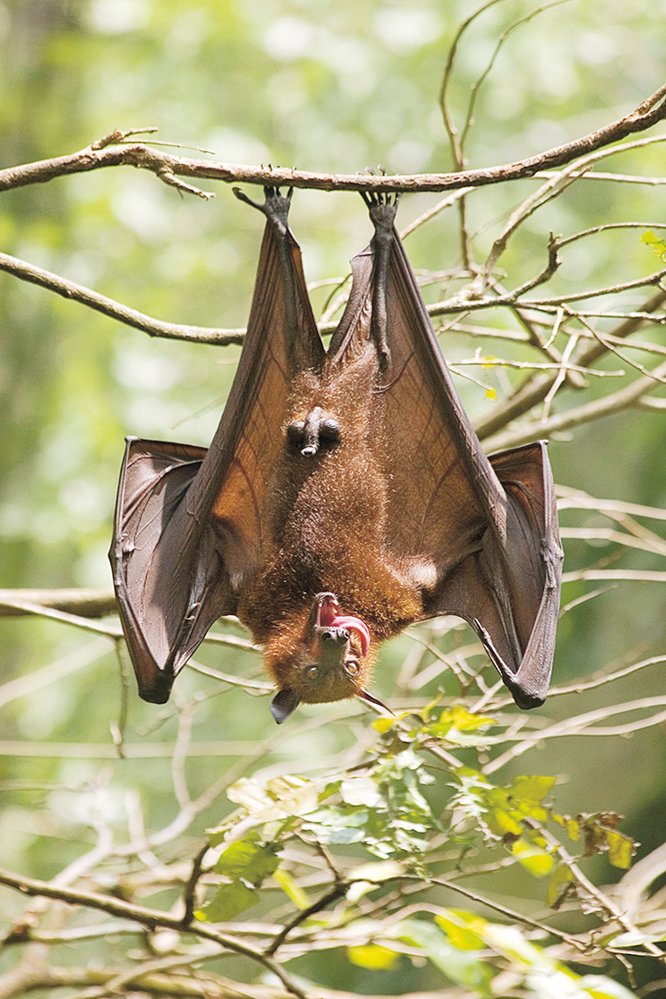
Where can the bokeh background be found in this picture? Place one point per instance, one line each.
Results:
(330, 87)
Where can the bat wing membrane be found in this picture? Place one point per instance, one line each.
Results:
(488, 526)
(188, 525)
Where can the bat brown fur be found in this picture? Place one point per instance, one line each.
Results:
(328, 532)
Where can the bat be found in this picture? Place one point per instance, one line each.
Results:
(344, 496)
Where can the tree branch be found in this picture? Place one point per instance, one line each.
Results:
(536, 388)
(151, 918)
(116, 310)
(612, 403)
(87, 603)
(114, 151)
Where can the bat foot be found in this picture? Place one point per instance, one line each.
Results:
(383, 207)
(373, 198)
(275, 206)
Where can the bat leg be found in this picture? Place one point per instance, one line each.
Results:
(382, 208)
(319, 430)
(297, 310)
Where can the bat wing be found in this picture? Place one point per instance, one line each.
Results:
(489, 526)
(188, 524)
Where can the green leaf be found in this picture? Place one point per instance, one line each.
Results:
(251, 861)
(229, 901)
(361, 791)
(599, 832)
(531, 788)
(374, 957)
(533, 858)
(462, 928)
(383, 725)
(558, 884)
(279, 798)
(386, 723)
(461, 967)
(455, 725)
(655, 243)
(247, 862)
(502, 822)
(572, 825)
(620, 849)
(292, 890)
(337, 825)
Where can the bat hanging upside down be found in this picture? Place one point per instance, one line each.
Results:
(344, 495)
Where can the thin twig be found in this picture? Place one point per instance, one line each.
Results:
(612, 403)
(151, 918)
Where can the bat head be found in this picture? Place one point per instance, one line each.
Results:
(329, 661)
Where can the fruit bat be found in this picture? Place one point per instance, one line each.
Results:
(344, 495)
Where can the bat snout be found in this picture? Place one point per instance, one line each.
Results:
(339, 635)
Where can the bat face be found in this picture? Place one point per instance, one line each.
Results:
(344, 495)
(329, 660)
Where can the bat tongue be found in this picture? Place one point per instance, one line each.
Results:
(354, 624)
(328, 617)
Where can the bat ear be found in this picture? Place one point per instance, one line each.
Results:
(371, 699)
(284, 702)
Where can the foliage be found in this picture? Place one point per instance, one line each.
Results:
(458, 847)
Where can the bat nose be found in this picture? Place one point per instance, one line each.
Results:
(335, 635)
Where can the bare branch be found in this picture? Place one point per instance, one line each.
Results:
(536, 388)
(569, 498)
(151, 918)
(115, 310)
(87, 603)
(108, 154)
(612, 403)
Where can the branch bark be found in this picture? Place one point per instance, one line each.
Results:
(113, 150)
(115, 310)
(86, 603)
(150, 918)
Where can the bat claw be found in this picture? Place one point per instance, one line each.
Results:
(275, 207)
(375, 199)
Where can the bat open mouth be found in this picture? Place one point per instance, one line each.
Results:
(329, 616)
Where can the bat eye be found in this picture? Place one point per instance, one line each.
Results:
(312, 672)
(352, 667)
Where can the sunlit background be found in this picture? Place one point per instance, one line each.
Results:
(338, 87)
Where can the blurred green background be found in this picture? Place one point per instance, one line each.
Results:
(330, 87)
